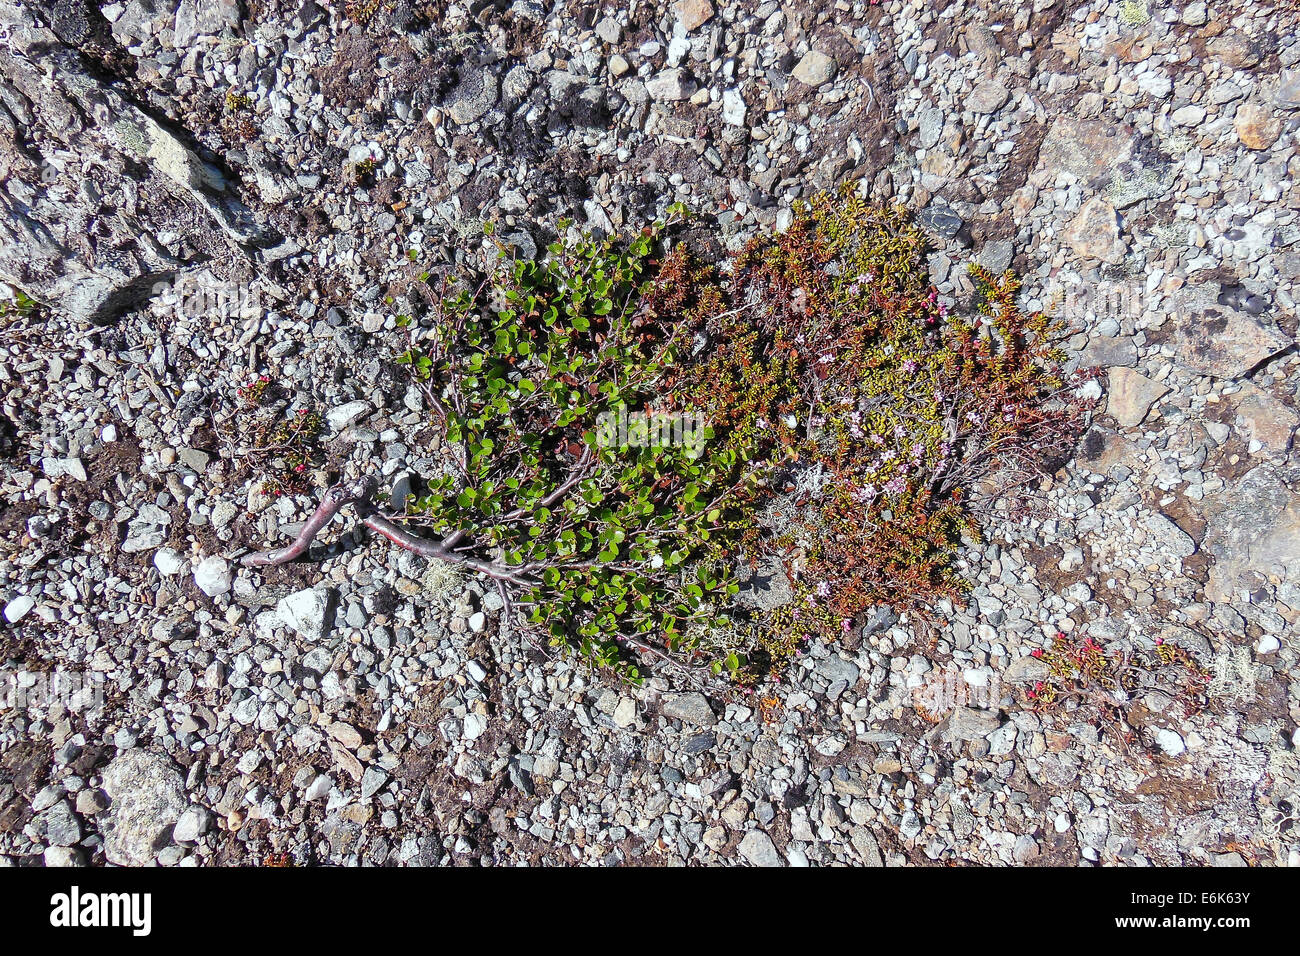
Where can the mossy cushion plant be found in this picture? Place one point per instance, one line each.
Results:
(631, 429)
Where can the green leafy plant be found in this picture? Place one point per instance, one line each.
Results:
(21, 304)
(631, 428)
(615, 534)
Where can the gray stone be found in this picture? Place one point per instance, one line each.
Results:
(1026, 670)
(836, 668)
(758, 849)
(213, 576)
(1213, 339)
(765, 587)
(147, 530)
(966, 723)
(372, 781)
(1087, 149)
(609, 30)
(1253, 532)
(473, 96)
(196, 18)
(1094, 233)
(1131, 395)
(169, 561)
(814, 68)
(1109, 351)
(671, 85)
(690, 708)
(1287, 94)
(319, 788)
(19, 608)
(987, 97)
(307, 612)
(940, 220)
(193, 823)
(996, 255)
(864, 842)
(64, 856)
(625, 713)
(733, 108)
(148, 797)
(194, 459)
(1170, 742)
(1190, 115)
(341, 416)
(930, 127)
(60, 825)
(73, 468)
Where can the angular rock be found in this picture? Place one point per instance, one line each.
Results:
(1253, 534)
(193, 823)
(196, 18)
(213, 576)
(45, 235)
(148, 797)
(19, 608)
(1167, 538)
(868, 849)
(691, 708)
(1287, 94)
(930, 127)
(1170, 742)
(733, 108)
(59, 824)
(693, 14)
(758, 849)
(966, 723)
(987, 97)
(147, 530)
(372, 781)
(1094, 233)
(1087, 149)
(625, 713)
(996, 255)
(473, 96)
(1026, 670)
(1190, 115)
(941, 220)
(669, 86)
(341, 416)
(1131, 395)
(1256, 126)
(814, 68)
(1107, 351)
(1262, 418)
(765, 587)
(609, 30)
(64, 856)
(307, 612)
(1216, 339)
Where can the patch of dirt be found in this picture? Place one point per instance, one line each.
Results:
(24, 769)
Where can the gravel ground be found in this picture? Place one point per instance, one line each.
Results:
(1136, 161)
